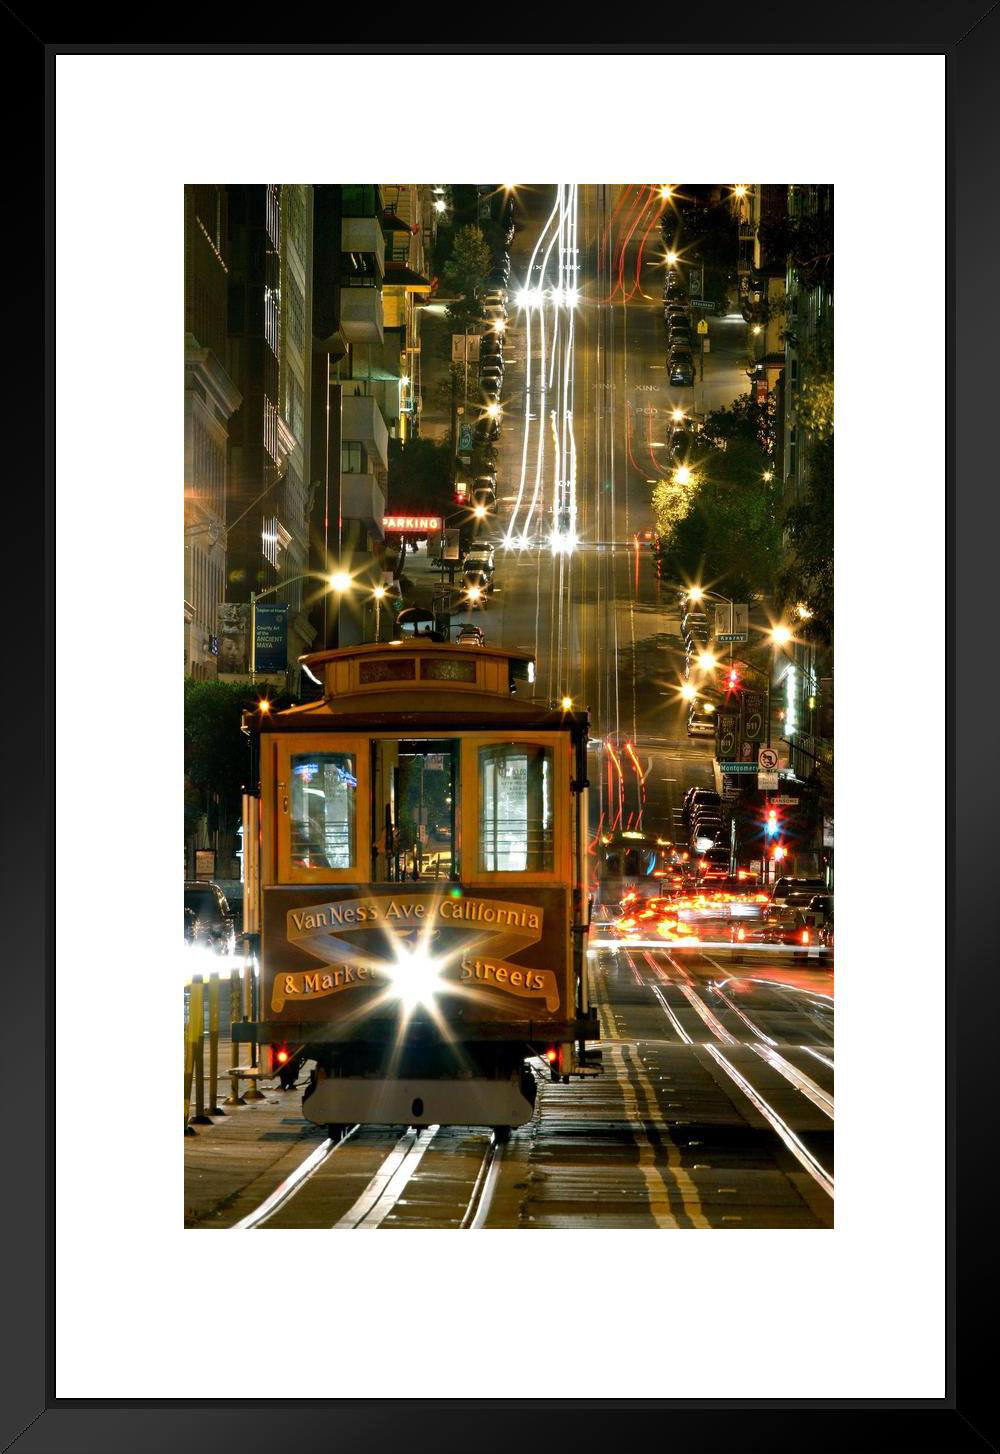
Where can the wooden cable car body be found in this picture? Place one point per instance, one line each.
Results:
(423, 896)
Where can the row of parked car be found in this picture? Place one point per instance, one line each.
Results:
(491, 359)
(477, 574)
(677, 316)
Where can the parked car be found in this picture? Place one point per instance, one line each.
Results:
(476, 586)
(481, 551)
(680, 369)
(208, 920)
(470, 635)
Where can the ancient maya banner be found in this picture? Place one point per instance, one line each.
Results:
(473, 936)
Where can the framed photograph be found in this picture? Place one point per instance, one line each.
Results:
(509, 866)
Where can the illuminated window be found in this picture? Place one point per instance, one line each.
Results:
(515, 808)
(324, 788)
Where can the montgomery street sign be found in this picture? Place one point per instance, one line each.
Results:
(731, 767)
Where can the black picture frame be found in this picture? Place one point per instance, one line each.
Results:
(33, 1420)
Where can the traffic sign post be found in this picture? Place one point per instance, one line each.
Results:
(767, 782)
(767, 759)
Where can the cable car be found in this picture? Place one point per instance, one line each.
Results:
(423, 895)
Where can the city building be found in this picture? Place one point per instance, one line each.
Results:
(210, 400)
(270, 245)
(355, 385)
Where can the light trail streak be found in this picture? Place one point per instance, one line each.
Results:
(509, 537)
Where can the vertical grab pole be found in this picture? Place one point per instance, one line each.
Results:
(251, 925)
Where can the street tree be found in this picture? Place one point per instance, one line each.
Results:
(730, 535)
(465, 272)
(807, 576)
(216, 755)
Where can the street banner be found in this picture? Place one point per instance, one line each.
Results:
(753, 716)
(728, 736)
(465, 439)
(696, 282)
(234, 638)
(732, 621)
(464, 348)
(271, 626)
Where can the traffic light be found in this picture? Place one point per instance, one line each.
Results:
(733, 680)
(771, 827)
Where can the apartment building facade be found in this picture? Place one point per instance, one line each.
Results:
(210, 400)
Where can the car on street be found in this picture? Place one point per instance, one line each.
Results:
(701, 720)
(469, 635)
(476, 589)
(680, 370)
(713, 865)
(787, 885)
(787, 922)
(480, 556)
(682, 443)
(208, 919)
(699, 797)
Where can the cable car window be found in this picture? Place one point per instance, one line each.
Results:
(414, 809)
(515, 808)
(324, 788)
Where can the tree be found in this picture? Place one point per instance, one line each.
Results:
(808, 574)
(729, 536)
(671, 502)
(746, 421)
(465, 274)
(216, 753)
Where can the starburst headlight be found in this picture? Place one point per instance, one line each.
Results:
(415, 976)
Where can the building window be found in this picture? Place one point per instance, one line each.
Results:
(351, 458)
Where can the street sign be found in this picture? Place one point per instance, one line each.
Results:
(729, 731)
(767, 782)
(702, 325)
(706, 344)
(767, 759)
(753, 717)
(784, 801)
(731, 767)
